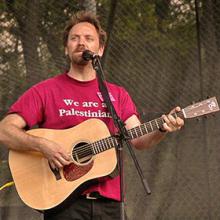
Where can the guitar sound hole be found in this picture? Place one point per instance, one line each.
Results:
(82, 152)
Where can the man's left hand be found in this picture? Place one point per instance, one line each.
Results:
(172, 123)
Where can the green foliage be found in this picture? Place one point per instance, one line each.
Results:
(158, 23)
(52, 16)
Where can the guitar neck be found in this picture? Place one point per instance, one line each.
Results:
(145, 128)
(198, 109)
(150, 126)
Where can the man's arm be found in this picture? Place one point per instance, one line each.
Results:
(171, 124)
(13, 136)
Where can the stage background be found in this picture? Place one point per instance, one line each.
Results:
(165, 53)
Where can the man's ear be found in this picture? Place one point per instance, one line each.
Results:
(66, 51)
(101, 50)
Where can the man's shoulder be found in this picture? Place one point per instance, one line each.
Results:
(50, 81)
(117, 88)
(114, 85)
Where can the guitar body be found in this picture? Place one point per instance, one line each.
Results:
(41, 188)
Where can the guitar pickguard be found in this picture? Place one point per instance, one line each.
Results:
(73, 171)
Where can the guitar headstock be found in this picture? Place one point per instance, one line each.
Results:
(201, 108)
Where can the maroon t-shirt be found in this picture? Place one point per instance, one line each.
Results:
(62, 102)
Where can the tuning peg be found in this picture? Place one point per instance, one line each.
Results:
(208, 97)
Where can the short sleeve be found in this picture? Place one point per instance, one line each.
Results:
(29, 106)
(128, 107)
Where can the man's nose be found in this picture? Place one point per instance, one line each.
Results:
(81, 41)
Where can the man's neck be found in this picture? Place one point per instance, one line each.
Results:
(82, 73)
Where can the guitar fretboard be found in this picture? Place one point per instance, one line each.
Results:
(145, 128)
(104, 144)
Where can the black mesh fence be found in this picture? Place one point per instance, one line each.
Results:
(165, 53)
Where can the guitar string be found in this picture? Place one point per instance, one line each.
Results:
(88, 146)
(87, 152)
(142, 129)
(85, 149)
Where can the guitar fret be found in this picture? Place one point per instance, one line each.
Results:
(157, 124)
(141, 130)
(149, 127)
(161, 121)
(106, 144)
(130, 134)
(97, 145)
(154, 125)
(136, 132)
(114, 141)
(145, 126)
(101, 147)
(109, 143)
(95, 148)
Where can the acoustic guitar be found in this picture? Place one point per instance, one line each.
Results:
(93, 153)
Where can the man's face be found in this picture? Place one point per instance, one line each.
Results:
(82, 36)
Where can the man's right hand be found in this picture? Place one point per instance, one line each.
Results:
(56, 155)
(13, 135)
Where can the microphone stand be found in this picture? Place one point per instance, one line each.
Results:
(123, 136)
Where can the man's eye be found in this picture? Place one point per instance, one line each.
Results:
(73, 38)
(89, 39)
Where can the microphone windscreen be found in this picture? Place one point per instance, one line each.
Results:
(87, 55)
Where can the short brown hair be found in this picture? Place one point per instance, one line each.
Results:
(85, 16)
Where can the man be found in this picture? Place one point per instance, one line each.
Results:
(67, 100)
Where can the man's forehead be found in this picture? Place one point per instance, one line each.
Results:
(84, 27)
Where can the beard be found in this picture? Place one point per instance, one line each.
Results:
(77, 59)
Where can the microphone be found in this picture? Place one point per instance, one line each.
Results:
(89, 55)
